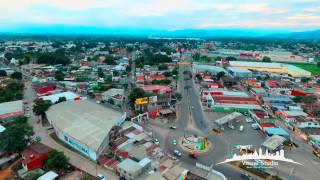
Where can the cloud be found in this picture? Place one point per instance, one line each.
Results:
(165, 14)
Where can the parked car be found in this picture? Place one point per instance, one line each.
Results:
(156, 141)
(174, 142)
(255, 126)
(230, 126)
(241, 128)
(173, 127)
(177, 153)
(100, 177)
(249, 120)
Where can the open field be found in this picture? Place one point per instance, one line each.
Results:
(309, 67)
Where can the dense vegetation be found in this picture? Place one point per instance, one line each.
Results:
(13, 91)
(16, 136)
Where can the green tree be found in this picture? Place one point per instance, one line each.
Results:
(231, 58)
(40, 107)
(309, 99)
(178, 96)
(32, 176)
(305, 79)
(59, 76)
(57, 57)
(318, 64)
(196, 56)
(16, 75)
(199, 77)
(220, 75)
(56, 160)
(100, 73)
(162, 67)
(16, 136)
(161, 81)
(61, 99)
(8, 56)
(111, 101)
(167, 74)
(266, 59)
(136, 93)
(297, 99)
(3, 73)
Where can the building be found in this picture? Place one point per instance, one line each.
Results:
(84, 125)
(49, 176)
(129, 169)
(10, 109)
(116, 96)
(274, 143)
(157, 89)
(271, 67)
(156, 76)
(214, 70)
(55, 97)
(34, 155)
(239, 72)
(276, 131)
(229, 101)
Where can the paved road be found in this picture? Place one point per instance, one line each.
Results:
(192, 121)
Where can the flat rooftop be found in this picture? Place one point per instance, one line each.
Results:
(8, 109)
(86, 121)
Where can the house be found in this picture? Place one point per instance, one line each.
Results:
(156, 77)
(129, 169)
(34, 155)
(9, 110)
(114, 96)
(140, 79)
(49, 176)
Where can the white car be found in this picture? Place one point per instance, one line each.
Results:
(174, 142)
(100, 177)
(241, 128)
(156, 141)
(177, 153)
(249, 120)
(255, 126)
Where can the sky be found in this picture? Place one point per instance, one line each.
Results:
(292, 15)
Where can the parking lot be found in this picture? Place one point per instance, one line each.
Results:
(248, 136)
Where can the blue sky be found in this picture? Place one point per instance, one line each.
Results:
(293, 15)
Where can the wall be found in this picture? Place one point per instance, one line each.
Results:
(85, 150)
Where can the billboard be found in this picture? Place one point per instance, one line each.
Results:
(141, 101)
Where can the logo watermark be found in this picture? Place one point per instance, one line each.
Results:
(258, 159)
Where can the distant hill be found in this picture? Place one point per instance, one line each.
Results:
(194, 33)
(298, 35)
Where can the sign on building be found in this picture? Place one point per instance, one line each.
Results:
(153, 99)
(141, 101)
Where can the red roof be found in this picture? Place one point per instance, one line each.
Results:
(272, 83)
(260, 114)
(44, 88)
(157, 76)
(235, 100)
(297, 93)
(156, 88)
(3, 116)
(34, 155)
(267, 125)
(140, 78)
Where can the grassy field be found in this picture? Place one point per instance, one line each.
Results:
(309, 67)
